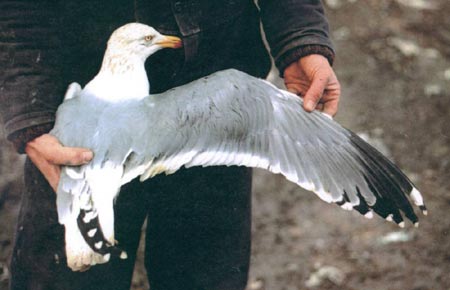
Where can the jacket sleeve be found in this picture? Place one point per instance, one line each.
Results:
(30, 86)
(295, 28)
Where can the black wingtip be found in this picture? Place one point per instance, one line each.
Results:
(363, 208)
(424, 209)
(389, 184)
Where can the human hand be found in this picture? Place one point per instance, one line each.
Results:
(48, 154)
(314, 80)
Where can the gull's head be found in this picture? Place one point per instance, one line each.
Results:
(139, 40)
(123, 73)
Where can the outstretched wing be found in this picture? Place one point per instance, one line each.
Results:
(231, 118)
(228, 118)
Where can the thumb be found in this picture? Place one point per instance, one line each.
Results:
(315, 92)
(51, 149)
(71, 156)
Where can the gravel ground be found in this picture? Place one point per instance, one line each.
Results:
(394, 66)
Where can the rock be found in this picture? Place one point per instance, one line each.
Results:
(432, 90)
(336, 4)
(333, 4)
(419, 4)
(396, 237)
(407, 47)
(447, 74)
(325, 273)
(256, 285)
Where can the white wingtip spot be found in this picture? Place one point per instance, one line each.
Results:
(416, 197)
(416, 224)
(89, 216)
(401, 224)
(369, 215)
(389, 218)
(98, 245)
(123, 255)
(107, 257)
(92, 232)
(347, 206)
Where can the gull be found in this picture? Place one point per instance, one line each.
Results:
(227, 118)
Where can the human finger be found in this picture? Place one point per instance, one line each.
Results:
(315, 91)
(331, 107)
(319, 106)
(331, 97)
(69, 156)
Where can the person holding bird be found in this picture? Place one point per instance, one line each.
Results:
(198, 232)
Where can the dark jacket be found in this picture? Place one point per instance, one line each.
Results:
(45, 45)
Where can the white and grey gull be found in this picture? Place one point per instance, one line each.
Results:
(228, 118)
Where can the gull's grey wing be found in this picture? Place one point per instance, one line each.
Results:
(231, 118)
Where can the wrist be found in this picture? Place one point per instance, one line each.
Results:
(20, 138)
(295, 54)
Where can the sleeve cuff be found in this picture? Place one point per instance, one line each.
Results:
(294, 54)
(20, 138)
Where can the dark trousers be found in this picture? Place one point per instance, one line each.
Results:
(198, 234)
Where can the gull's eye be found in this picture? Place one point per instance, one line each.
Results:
(148, 38)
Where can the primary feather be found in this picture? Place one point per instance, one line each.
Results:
(228, 118)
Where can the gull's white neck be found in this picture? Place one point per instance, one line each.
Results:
(121, 77)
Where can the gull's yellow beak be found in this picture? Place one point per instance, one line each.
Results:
(170, 42)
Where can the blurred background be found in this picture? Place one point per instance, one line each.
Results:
(393, 61)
